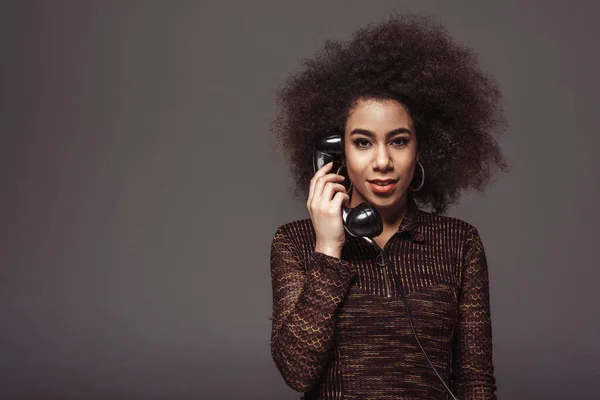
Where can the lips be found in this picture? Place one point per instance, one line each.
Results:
(383, 185)
(383, 182)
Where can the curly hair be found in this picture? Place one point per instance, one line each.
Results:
(455, 105)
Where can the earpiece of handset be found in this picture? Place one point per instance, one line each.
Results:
(328, 148)
(362, 220)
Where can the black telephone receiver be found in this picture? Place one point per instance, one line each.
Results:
(362, 220)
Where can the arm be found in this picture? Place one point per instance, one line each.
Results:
(472, 368)
(305, 299)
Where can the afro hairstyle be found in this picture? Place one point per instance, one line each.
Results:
(454, 104)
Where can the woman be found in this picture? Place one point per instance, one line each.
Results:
(407, 314)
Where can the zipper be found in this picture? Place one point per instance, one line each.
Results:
(382, 262)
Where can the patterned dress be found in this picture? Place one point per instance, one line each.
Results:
(340, 329)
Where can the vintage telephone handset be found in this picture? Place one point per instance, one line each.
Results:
(363, 220)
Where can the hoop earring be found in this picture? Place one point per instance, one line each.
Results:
(422, 180)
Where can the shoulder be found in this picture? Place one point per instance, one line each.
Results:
(447, 226)
(456, 235)
(297, 237)
(296, 228)
(299, 233)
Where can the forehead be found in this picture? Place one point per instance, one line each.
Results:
(378, 116)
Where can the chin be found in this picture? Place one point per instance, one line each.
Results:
(389, 203)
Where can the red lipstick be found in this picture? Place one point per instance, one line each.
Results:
(383, 185)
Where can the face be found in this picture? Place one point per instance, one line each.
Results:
(380, 144)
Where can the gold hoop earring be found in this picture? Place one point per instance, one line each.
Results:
(422, 178)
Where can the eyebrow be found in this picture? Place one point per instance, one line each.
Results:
(359, 131)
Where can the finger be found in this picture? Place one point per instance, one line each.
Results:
(320, 184)
(330, 189)
(320, 172)
(341, 199)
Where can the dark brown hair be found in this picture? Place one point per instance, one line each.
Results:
(455, 106)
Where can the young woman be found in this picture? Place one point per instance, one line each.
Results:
(405, 315)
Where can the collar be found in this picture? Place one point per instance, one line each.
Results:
(411, 221)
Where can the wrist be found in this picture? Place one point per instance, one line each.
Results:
(330, 250)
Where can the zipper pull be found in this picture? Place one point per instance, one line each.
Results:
(382, 262)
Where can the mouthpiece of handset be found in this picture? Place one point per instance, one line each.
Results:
(362, 220)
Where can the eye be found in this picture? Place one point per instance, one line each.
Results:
(400, 142)
(361, 143)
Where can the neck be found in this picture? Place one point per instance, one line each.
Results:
(392, 217)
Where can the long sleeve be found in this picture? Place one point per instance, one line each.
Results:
(306, 295)
(472, 367)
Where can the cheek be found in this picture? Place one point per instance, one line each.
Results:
(411, 172)
(353, 173)
(353, 164)
(411, 166)
(408, 171)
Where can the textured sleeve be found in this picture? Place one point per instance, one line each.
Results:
(306, 295)
(472, 367)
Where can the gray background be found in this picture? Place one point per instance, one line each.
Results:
(135, 156)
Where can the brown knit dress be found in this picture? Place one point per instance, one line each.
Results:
(340, 329)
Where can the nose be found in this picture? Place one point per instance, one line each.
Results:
(383, 160)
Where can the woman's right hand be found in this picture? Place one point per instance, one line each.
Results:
(325, 200)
